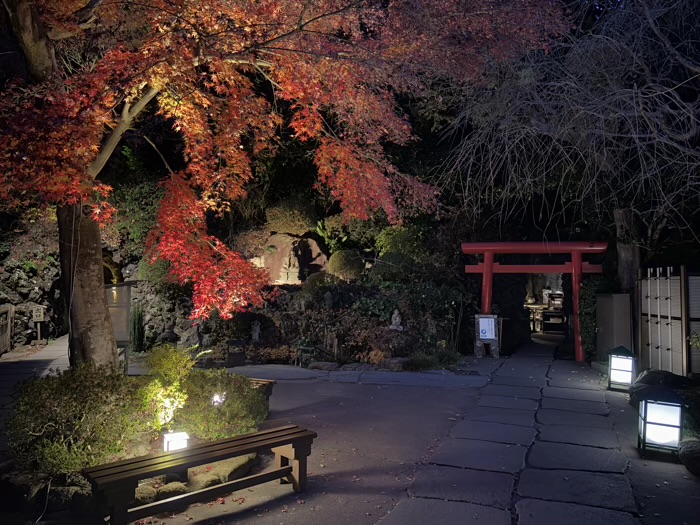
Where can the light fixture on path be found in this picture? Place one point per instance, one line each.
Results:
(175, 441)
(660, 419)
(622, 368)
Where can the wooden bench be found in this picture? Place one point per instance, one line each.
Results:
(264, 385)
(115, 483)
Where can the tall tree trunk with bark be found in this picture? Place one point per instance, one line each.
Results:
(91, 337)
(628, 259)
(90, 328)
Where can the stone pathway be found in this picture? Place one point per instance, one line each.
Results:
(538, 448)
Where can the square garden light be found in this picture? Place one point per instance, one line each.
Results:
(175, 441)
(622, 368)
(660, 419)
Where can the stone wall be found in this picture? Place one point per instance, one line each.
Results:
(162, 311)
(26, 288)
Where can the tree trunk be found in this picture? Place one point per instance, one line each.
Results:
(90, 327)
(628, 261)
(628, 264)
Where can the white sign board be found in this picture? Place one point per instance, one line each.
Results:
(487, 328)
(38, 314)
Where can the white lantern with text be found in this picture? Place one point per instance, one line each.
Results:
(660, 419)
(622, 369)
(175, 441)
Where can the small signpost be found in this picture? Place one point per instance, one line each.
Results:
(39, 318)
(488, 332)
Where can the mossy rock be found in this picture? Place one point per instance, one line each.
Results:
(346, 264)
(176, 488)
(145, 494)
(220, 472)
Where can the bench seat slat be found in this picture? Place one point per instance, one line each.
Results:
(183, 500)
(152, 467)
(126, 464)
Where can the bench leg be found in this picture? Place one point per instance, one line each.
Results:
(119, 505)
(298, 455)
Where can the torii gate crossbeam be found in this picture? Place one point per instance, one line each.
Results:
(576, 267)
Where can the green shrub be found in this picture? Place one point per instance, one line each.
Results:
(239, 408)
(346, 264)
(169, 364)
(295, 216)
(407, 240)
(392, 266)
(67, 421)
(137, 329)
(318, 282)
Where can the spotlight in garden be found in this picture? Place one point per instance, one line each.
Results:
(622, 369)
(218, 399)
(660, 419)
(175, 441)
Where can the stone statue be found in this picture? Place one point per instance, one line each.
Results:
(328, 299)
(396, 321)
(255, 331)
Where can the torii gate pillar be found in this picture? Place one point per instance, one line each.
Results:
(577, 267)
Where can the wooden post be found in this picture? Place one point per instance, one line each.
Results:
(576, 275)
(487, 284)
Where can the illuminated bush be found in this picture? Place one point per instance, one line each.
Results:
(220, 404)
(346, 264)
(70, 420)
(294, 216)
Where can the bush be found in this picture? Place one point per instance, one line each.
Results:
(169, 364)
(67, 421)
(318, 282)
(294, 216)
(346, 264)
(392, 266)
(239, 408)
(407, 240)
(137, 329)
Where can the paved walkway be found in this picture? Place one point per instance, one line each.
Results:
(524, 440)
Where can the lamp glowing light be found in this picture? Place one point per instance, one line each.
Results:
(622, 369)
(175, 441)
(218, 399)
(660, 419)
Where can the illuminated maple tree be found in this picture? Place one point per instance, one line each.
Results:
(334, 65)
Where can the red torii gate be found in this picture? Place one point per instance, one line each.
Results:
(576, 267)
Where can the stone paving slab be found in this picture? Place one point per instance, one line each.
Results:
(480, 455)
(597, 396)
(508, 416)
(456, 484)
(526, 392)
(485, 365)
(583, 384)
(574, 405)
(524, 368)
(548, 416)
(494, 432)
(590, 437)
(537, 512)
(507, 402)
(519, 381)
(612, 491)
(419, 379)
(345, 376)
(576, 457)
(435, 512)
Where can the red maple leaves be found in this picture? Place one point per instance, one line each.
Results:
(338, 64)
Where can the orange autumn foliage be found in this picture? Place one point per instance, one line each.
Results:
(338, 64)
